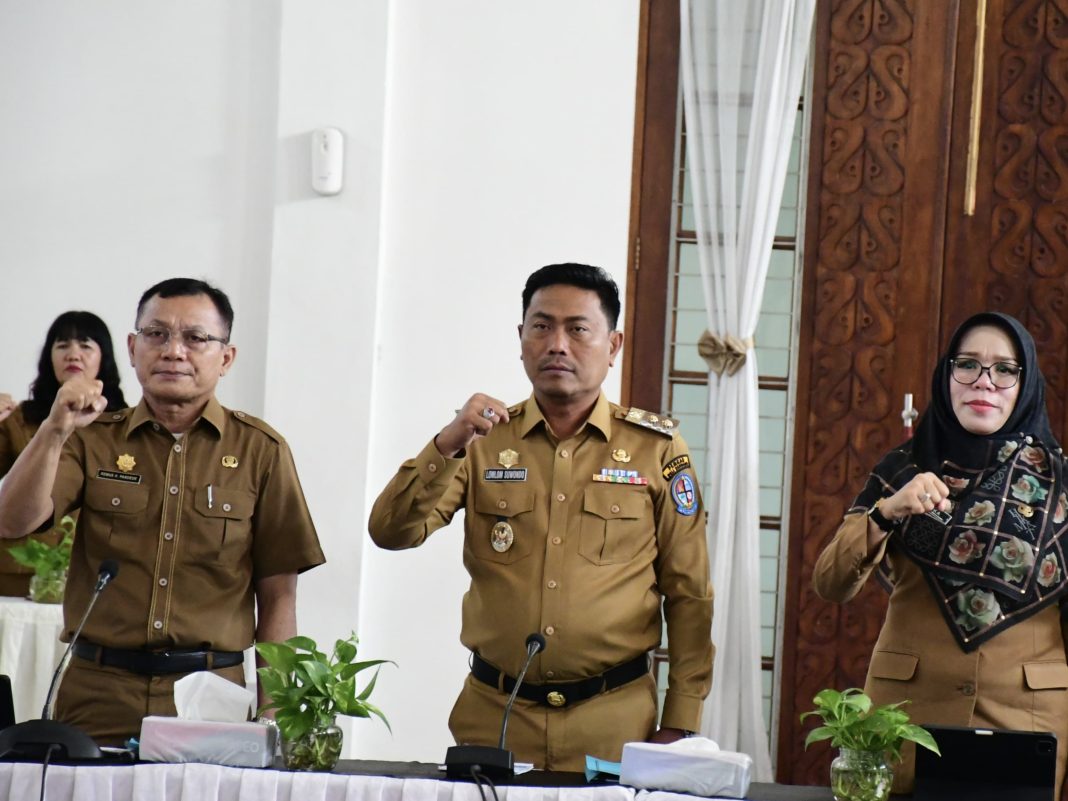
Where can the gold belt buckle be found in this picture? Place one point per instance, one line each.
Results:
(555, 698)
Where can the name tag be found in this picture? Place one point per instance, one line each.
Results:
(505, 474)
(111, 475)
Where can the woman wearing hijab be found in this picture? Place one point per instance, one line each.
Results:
(77, 343)
(964, 523)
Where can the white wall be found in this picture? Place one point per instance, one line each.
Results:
(484, 138)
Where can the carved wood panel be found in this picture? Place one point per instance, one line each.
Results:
(874, 242)
(1013, 254)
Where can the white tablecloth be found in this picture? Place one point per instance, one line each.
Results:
(195, 782)
(29, 651)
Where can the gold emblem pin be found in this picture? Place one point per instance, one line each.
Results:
(508, 458)
(126, 463)
(229, 461)
(620, 455)
(501, 537)
(556, 698)
(1026, 510)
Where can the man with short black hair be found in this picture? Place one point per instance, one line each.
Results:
(582, 518)
(200, 506)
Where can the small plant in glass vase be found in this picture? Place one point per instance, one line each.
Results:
(869, 740)
(49, 562)
(308, 690)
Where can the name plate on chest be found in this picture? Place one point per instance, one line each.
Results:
(505, 474)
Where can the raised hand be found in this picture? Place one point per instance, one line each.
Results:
(7, 405)
(475, 419)
(924, 492)
(78, 403)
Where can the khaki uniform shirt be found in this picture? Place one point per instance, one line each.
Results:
(193, 522)
(15, 435)
(588, 562)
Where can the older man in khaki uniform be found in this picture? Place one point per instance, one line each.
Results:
(200, 506)
(581, 518)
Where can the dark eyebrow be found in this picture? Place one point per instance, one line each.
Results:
(579, 318)
(997, 359)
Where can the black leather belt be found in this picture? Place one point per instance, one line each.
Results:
(157, 663)
(564, 693)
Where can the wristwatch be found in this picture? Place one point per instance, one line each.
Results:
(882, 521)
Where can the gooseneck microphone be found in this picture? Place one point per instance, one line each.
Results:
(476, 761)
(38, 739)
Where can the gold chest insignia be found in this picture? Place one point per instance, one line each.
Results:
(229, 461)
(620, 455)
(126, 463)
(508, 458)
(501, 537)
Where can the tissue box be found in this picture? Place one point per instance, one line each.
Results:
(694, 765)
(240, 745)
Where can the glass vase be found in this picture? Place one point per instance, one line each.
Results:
(47, 588)
(861, 776)
(317, 749)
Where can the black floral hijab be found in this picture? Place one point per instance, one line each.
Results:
(997, 558)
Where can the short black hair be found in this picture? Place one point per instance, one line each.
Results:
(584, 276)
(73, 325)
(189, 287)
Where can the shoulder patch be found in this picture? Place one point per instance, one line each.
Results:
(256, 422)
(654, 422)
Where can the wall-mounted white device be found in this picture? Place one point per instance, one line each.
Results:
(328, 160)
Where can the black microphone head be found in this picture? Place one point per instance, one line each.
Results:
(109, 568)
(537, 640)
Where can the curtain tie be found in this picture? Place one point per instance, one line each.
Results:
(723, 354)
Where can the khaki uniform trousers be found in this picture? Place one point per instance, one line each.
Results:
(557, 739)
(108, 704)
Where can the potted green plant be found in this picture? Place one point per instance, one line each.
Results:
(49, 562)
(308, 691)
(866, 736)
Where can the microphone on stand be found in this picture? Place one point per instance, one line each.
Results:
(40, 739)
(464, 761)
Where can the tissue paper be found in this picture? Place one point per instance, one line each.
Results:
(692, 765)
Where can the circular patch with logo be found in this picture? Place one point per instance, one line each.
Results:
(684, 494)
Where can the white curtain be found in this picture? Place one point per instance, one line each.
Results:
(742, 68)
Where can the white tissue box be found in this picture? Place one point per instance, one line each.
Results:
(694, 765)
(240, 745)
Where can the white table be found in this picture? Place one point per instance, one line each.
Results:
(29, 651)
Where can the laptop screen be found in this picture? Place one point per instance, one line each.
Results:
(987, 765)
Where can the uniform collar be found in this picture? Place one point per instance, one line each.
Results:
(600, 418)
(213, 414)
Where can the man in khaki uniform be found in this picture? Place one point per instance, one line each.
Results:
(200, 506)
(581, 517)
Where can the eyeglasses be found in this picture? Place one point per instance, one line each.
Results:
(193, 339)
(1003, 375)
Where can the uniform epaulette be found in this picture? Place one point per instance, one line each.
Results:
(117, 416)
(656, 422)
(516, 408)
(256, 422)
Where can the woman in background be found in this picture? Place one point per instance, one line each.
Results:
(77, 343)
(973, 633)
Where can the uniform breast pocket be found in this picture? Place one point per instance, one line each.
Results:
(616, 523)
(115, 521)
(501, 529)
(227, 522)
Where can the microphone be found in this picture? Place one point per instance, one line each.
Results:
(465, 761)
(38, 739)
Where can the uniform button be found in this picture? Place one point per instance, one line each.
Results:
(240, 414)
(115, 501)
(433, 468)
(967, 688)
(155, 426)
(615, 508)
(561, 497)
(157, 625)
(174, 490)
(563, 454)
(169, 535)
(163, 582)
(177, 447)
(557, 540)
(551, 584)
(502, 504)
(226, 507)
(116, 417)
(550, 673)
(550, 630)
